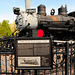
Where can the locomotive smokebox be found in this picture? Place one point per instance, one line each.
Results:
(41, 10)
(27, 4)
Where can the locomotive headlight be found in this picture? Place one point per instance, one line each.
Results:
(16, 10)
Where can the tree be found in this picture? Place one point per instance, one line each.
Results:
(12, 26)
(0, 24)
(7, 21)
(5, 29)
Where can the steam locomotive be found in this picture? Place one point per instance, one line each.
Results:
(61, 26)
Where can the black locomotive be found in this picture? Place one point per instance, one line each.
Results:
(61, 26)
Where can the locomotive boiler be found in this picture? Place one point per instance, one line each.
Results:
(29, 23)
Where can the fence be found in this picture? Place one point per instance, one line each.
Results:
(63, 60)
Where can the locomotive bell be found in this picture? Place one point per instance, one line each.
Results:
(52, 11)
(16, 10)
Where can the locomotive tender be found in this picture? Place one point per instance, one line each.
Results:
(61, 26)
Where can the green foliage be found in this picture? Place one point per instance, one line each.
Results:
(5, 29)
(0, 24)
(7, 21)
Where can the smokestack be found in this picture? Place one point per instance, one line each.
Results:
(27, 4)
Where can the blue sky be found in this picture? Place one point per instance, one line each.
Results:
(6, 7)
